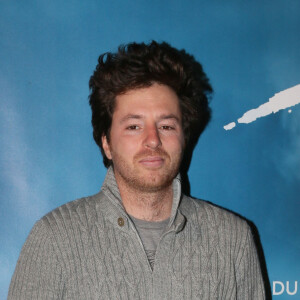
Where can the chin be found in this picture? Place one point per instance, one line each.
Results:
(152, 182)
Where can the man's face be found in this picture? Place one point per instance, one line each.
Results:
(146, 138)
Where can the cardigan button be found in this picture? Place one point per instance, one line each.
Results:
(121, 222)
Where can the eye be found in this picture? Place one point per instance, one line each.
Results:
(133, 127)
(167, 127)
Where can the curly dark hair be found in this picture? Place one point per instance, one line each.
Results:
(140, 65)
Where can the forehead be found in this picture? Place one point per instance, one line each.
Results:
(155, 99)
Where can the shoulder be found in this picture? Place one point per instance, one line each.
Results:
(81, 212)
(206, 214)
(218, 227)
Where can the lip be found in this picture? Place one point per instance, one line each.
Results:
(153, 161)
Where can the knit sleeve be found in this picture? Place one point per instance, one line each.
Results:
(249, 278)
(38, 274)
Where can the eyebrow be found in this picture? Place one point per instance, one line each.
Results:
(138, 117)
(170, 116)
(130, 116)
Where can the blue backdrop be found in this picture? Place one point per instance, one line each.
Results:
(249, 50)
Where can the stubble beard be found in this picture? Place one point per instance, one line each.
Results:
(145, 180)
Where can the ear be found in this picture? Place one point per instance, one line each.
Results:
(106, 147)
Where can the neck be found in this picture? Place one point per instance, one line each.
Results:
(146, 205)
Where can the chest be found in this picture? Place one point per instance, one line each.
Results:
(111, 264)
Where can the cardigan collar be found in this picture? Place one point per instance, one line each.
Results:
(111, 190)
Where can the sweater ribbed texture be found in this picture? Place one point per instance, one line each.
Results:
(81, 250)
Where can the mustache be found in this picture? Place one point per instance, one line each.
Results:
(146, 153)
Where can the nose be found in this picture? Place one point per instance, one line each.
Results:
(152, 138)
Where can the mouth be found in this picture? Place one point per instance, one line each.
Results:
(152, 161)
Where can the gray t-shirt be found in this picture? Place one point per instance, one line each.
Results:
(150, 233)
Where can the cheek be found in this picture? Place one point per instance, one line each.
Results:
(174, 145)
(124, 146)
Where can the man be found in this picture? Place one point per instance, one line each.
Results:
(140, 237)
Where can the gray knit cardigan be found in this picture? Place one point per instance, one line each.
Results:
(89, 249)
